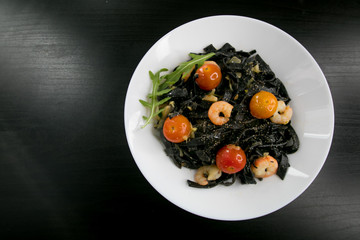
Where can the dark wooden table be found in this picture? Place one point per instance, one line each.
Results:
(66, 171)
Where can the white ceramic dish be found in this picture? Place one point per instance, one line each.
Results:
(313, 118)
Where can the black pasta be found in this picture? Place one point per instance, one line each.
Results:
(243, 75)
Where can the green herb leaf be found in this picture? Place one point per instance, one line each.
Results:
(162, 101)
(152, 103)
(184, 68)
(162, 84)
(160, 93)
(145, 103)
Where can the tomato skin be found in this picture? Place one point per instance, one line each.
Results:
(263, 105)
(230, 159)
(177, 129)
(208, 75)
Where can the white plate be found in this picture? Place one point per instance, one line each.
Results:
(313, 117)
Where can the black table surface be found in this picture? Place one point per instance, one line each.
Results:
(66, 171)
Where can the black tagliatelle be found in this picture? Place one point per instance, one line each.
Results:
(243, 75)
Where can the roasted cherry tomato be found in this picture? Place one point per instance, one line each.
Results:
(230, 159)
(177, 129)
(263, 105)
(208, 76)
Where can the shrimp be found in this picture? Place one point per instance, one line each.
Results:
(217, 108)
(283, 113)
(265, 166)
(205, 173)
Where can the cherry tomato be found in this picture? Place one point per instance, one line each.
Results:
(177, 129)
(230, 159)
(209, 76)
(263, 105)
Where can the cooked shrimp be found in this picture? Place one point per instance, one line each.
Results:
(265, 166)
(283, 113)
(217, 108)
(205, 173)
